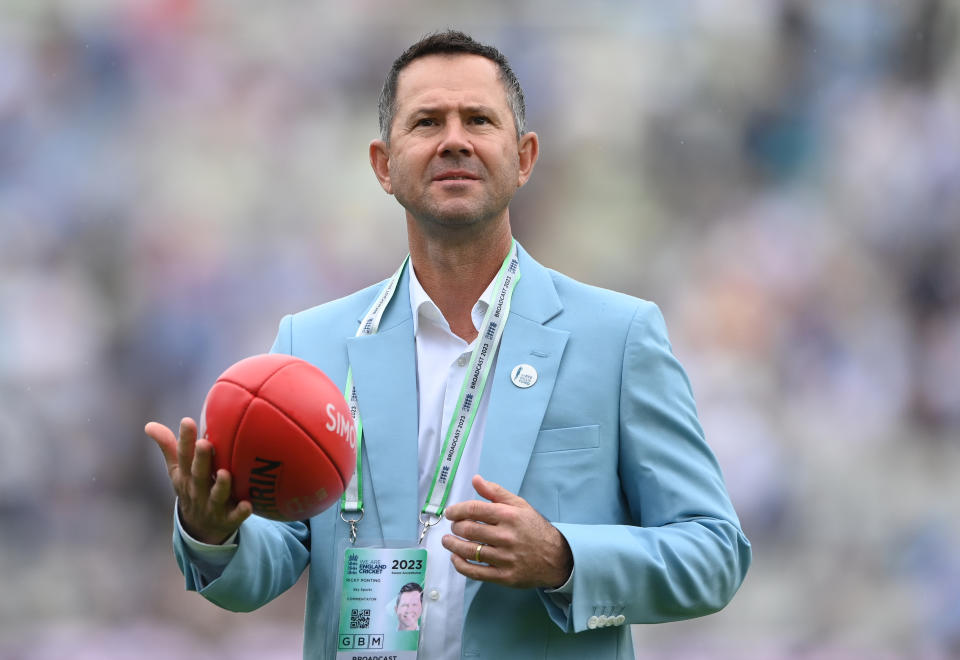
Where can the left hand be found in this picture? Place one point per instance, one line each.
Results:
(520, 547)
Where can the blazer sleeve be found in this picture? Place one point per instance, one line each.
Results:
(685, 555)
(270, 556)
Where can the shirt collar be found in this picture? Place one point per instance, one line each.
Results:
(424, 309)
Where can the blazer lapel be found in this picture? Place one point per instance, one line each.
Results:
(515, 414)
(385, 374)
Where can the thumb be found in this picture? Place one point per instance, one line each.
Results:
(495, 492)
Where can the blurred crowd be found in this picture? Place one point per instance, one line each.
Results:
(782, 177)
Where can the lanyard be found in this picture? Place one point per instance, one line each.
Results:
(474, 383)
(351, 502)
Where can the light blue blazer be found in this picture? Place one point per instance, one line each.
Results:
(606, 445)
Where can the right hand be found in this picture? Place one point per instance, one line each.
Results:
(206, 510)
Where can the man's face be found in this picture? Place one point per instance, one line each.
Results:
(408, 609)
(454, 157)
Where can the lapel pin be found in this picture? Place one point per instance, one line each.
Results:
(523, 376)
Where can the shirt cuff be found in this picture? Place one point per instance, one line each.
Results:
(565, 589)
(562, 597)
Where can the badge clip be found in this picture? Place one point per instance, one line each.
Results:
(426, 525)
(353, 525)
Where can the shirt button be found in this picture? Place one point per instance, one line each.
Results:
(593, 622)
(462, 361)
(434, 594)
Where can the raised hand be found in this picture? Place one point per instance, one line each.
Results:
(207, 512)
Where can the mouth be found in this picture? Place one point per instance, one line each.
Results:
(456, 176)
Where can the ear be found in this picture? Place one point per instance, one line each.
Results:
(529, 151)
(380, 162)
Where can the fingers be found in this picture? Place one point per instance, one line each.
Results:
(220, 496)
(474, 533)
(493, 512)
(241, 512)
(487, 512)
(467, 549)
(480, 533)
(182, 454)
(494, 566)
(486, 573)
(220, 491)
(207, 511)
(205, 501)
(495, 492)
(186, 445)
(202, 459)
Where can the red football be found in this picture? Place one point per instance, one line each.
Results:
(283, 430)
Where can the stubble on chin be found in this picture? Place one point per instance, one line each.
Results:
(463, 215)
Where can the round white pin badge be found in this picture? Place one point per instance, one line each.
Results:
(523, 375)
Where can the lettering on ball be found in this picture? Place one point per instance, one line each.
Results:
(342, 426)
(263, 485)
(297, 507)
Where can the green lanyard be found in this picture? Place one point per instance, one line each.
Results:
(474, 383)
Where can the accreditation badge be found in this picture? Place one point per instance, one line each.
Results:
(381, 602)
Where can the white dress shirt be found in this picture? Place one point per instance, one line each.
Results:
(442, 359)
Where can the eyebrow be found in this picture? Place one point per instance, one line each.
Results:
(469, 109)
(480, 110)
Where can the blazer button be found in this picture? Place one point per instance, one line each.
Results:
(593, 622)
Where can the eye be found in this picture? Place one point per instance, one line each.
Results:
(479, 120)
(425, 121)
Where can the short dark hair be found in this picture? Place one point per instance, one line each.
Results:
(407, 588)
(450, 42)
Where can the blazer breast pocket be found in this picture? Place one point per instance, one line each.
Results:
(567, 439)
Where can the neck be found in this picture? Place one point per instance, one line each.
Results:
(455, 270)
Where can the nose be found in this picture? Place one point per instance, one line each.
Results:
(454, 140)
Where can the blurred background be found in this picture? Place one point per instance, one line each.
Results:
(782, 177)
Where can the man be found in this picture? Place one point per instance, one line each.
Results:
(409, 606)
(594, 501)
